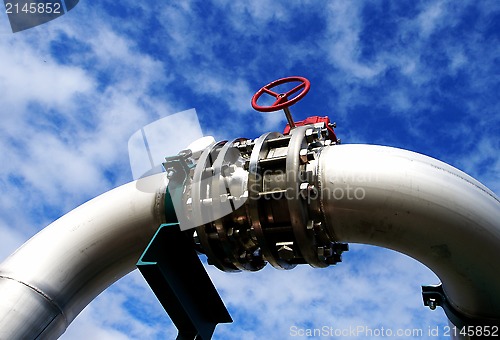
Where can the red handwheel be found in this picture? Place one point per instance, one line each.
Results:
(282, 100)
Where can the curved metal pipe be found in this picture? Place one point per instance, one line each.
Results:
(369, 194)
(423, 208)
(48, 281)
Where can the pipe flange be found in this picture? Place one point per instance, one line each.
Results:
(260, 225)
(297, 191)
(258, 202)
(229, 194)
(201, 210)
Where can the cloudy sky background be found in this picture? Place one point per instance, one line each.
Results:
(420, 76)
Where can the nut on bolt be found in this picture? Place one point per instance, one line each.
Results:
(171, 173)
(311, 135)
(306, 156)
(432, 304)
(303, 156)
(306, 189)
(285, 252)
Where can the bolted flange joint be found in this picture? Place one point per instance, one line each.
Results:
(258, 201)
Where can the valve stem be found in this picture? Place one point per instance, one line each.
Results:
(289, 118)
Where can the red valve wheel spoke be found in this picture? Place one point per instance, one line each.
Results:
(295, 89)
(282, 100)
(272, 93)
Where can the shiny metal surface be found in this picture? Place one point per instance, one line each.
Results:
(366, 194)
(258, 219)
(48, 281)
(421, 207)
(271, 213)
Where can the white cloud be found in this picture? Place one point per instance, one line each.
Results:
(11, 240)
(111, 315)
(429, 19)
(27, 75)
(353, 293)
(343, 32)
(260, 13)
(483, 161)
(66, 118)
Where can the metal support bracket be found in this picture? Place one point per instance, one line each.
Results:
(433, 296)
(174, 271)
(176, 275)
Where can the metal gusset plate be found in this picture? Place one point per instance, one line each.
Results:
(174, 272)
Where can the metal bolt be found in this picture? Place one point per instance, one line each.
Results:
(325, 251)
(185, 153)
(310, 136)
(320, 251)
(432, 304)
(285, 252)
(310, 225)
(170, 173)
(206, 201)
(230, 169)
(306, 189)
(318, 225)
(303, 156)
(253, 234)
(340, 247)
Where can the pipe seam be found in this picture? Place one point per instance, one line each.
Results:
(41, 293)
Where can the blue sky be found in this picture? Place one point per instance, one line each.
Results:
(422, 76)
